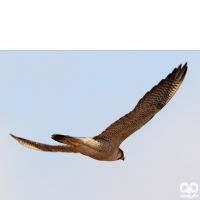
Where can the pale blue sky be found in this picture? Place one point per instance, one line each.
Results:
(80, 93)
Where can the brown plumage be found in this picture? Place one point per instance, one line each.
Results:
(106, 145)
(44, 147)
(152, 102)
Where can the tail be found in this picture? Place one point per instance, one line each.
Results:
(71, 141)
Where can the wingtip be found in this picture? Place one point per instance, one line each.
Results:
(15, 137)
(186, 68)
(179, 67)
(185, 65)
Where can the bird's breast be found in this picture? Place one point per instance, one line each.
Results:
(97, 154)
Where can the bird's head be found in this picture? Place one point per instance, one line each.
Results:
(120, 155)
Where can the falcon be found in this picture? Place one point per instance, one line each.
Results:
(105, 146)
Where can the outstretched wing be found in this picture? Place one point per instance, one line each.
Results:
(44, 147)
(152, 102)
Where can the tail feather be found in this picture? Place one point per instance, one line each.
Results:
(71, 141)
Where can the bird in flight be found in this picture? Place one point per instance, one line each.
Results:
(105, 146)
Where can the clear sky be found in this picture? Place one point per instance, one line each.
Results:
(80, 93)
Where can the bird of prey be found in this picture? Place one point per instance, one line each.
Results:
(105, 146)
